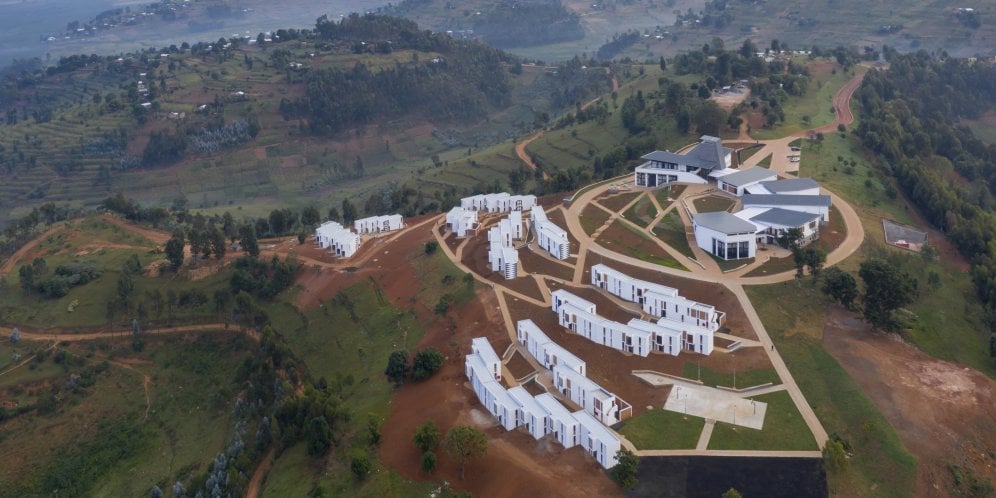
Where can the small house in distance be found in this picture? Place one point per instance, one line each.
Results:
(692, 166)
(334, 236)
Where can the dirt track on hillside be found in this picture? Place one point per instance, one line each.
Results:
(944, 413)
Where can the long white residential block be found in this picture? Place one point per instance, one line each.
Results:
(595, 400)
(498, 203)
(529, 414)
(549, 236)
(379, 224)
(559, 421)
(491, 394)
(340, 240)
(597, 440)
(696, 322)
(546, 352)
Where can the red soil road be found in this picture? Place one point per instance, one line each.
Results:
(943, 412)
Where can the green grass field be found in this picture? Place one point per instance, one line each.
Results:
(881, 466)
(711, 203)
(784, 429)
(671, 231)
(642, 213)
(644, 248)
(671, 191)
(592, 218)
(660, 429)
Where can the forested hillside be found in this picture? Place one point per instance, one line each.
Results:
(910, 118)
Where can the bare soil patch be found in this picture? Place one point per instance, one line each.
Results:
(519, 367)
(942, 411)
(536, 263)
(541, 468)
(475, 256)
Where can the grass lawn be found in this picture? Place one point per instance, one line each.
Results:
(881, 466)
(784, 429)
(639, 247)
(642, 213)
(773, 266)
(592, 218)
(712, 203)
(766, 162)
(749, 378)
(615, 202)
(730, 264)
(672, 191)
(748, 152)
(660, 429)
(671, 231)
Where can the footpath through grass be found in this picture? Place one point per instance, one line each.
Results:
(793, 316)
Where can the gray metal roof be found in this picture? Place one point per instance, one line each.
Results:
(707, 154)
(748, 176)
(785, 217)
(785, 200)
(723, 222)
(791, 185)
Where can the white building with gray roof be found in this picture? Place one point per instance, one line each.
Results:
(692, 166)
(724, 235)
(737, 183)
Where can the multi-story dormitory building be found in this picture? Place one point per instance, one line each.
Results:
(498, 203)
(336, 237)
(502, 255)
(549, 236)
(542, 415)
(682, 325)
(345, 243)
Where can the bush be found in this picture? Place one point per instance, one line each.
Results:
(397, 367)
(624, 472)
(428, 462)
(426, 436)
(431, 246)
(361, 465)
(426, 362)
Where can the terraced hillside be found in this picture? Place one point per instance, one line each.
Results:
(223, 125)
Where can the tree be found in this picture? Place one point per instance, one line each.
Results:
(431, 246)
(428, 462)
(318, 436)
(732, 493)
(156, 492)
(463, 443)
(887, 288)
(248, 240)
(397, 367)
(174, 250)
(349, 213)
(790, 238)
(15, 335)
(814, 259)
(841, 286)
(178, 489)
(425, 363)
(360, 464)
(834, 457)
(426, 436)
(310, 216)
(27, 275)
(218, 246)
(624, 472)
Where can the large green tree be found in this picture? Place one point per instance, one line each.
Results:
(887, 288)
(624, 472)
(840, 285)
(463, 444)
(174, 250)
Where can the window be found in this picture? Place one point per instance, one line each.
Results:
(745, 249)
